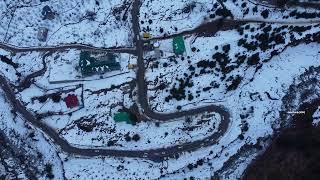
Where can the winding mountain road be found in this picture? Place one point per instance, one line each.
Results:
(156, 155)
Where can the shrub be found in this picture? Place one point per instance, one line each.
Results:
(254, 59)
(48, 170)
(42, 99)
(136, 137)
(56, 98)
(235, 83)
(265, 13)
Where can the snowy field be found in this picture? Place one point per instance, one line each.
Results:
(161, 17)
(110, 135)
(93, 22)
(34, 146)
(19, 65)
(252, 10)
(207, 74)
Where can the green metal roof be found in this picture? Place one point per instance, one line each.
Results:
(90, 65)
(122, 117)
(178, 45)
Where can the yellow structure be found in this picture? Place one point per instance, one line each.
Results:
(146, 35)
(131, 66)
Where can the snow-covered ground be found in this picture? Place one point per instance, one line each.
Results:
(102, 98)
(20, 64)
(247, 70)
(41, 101)
(163, 135)
(30, 142)
(282, 70)
(260, 121)
(212, 73)
(162, 17)
(252, 10)
(93, 22)
(252, 117)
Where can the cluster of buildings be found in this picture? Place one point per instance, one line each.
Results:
(178, 45)
(94, 63)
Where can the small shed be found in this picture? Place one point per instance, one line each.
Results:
(71, 101)
(146, 35)
(122, 117)
(156, 50)
(132, 66)
(47, 13)
(132, 62)
(42, 34)
(178, 45)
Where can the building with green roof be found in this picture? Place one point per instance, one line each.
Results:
(90, 65)
(122, 117)
(178, 45)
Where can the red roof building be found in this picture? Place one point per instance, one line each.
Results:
(71, 101)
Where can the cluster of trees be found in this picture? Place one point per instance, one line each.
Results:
(48, 171)
(281, 3)
(244, 122)
(265, 40)
(135, 137)
(235, 81)
(265, 13)
(189, 7)
(313, 38)
(121, 10)
(200, 162)
(306, 15)
(219, 63)
(56, 97)
(179, 93)
(8, 61)
(86, 124)
(222, 58)
(244, 128)
(223, 12)
(254, 59)
(206, 64)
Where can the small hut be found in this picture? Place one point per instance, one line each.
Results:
(42, 34)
